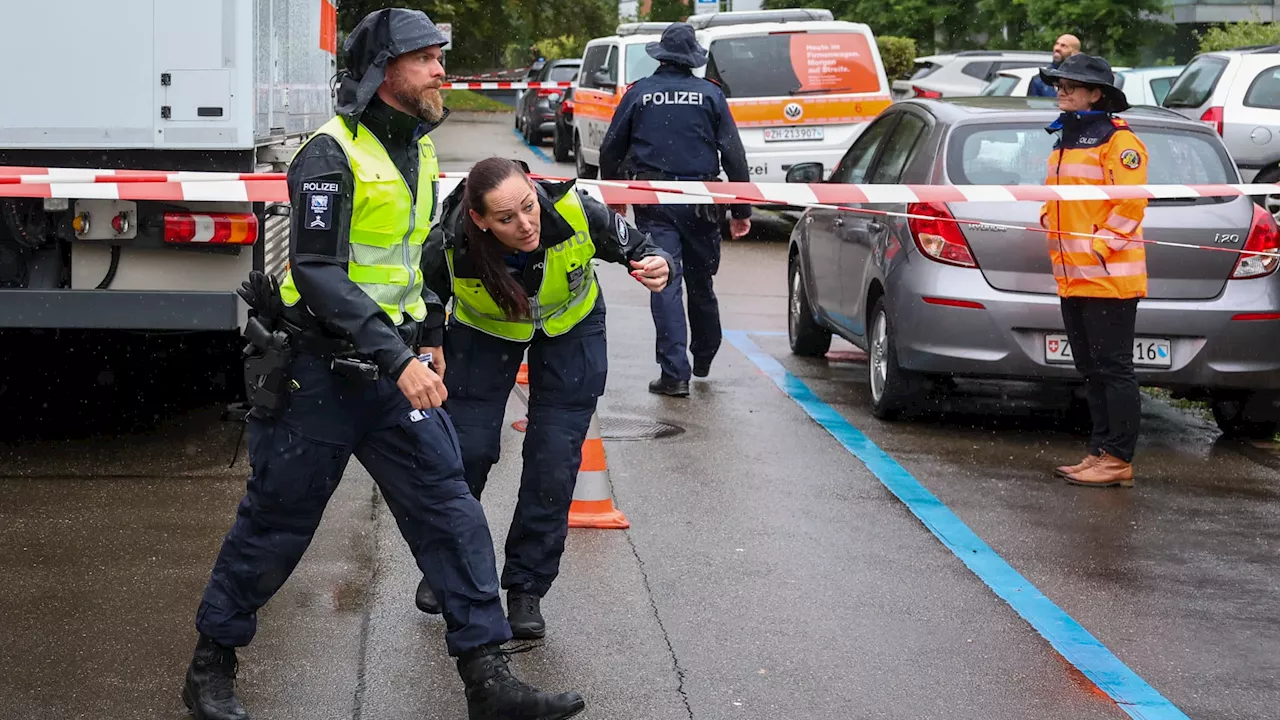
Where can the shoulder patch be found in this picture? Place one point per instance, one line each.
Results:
(1131, 159)
(620, 229)
(1118, 122)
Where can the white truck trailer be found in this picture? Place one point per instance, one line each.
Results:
(165, 85)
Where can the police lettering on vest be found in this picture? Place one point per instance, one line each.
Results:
(672, 97)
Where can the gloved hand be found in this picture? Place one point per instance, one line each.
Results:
(262, 293)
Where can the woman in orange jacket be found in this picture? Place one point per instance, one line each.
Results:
(1099, 260)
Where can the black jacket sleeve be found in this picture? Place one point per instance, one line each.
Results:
(615, 239)
(617, 141)
(733, 156)
(321, 188)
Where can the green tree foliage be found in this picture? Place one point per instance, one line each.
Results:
(1120, 30)
(897, 54)
(493, 34)
(1243, 34)
(667, 11)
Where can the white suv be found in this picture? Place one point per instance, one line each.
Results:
(963, 73)
(1237, 92)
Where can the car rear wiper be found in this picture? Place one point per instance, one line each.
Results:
(798, 91)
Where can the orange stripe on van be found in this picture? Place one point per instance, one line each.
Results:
(812, 110)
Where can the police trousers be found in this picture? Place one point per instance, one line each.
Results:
(690, 234)
(298, 460)
(567, 376)
(1101, 331)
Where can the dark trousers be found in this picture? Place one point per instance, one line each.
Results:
(566, 378)
(1100, 331)
(690, 234)
(298, 461)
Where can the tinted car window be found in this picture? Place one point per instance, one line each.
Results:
(980, 70)
(853, 168)
(1196, 83)
(897, 151)
(924, 69)
(1265, 90)
(562, 73)
(1019, 155)
(1160, 88)
(1002, 86)
(594, 61)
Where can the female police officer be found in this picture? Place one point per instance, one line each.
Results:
(516, 257)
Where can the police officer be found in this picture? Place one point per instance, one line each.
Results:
(363, 193)
(669, 126)
(516, 257)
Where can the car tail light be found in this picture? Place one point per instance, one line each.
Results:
(211, 228)
(568, 106)
(938, 236)
(1213, 118)
(926, 94)
(1264, 236)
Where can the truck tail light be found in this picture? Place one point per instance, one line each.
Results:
(938, 236)
(1213, 118)
(211, 228)
(1264, 236)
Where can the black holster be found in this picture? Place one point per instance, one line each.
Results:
(267, 359)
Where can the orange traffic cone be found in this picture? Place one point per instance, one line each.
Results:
(522, 387)
(592, 505)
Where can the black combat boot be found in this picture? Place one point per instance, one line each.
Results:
(210, 690)
(493, 693)
(524, 613)
(425, 599)
(669, 386)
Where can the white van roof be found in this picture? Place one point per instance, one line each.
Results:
(813, 26)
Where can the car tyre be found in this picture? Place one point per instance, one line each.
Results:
(1271, 203)
(559, 147)
(892, 388)
(1228, 412)
(584, 170)
(807, 337)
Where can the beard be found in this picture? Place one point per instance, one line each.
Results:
(424, 103)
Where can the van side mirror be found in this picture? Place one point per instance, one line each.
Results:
(808, 172)
(601, 79)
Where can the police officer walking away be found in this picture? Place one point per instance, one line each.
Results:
(669, 126)
(337, 372)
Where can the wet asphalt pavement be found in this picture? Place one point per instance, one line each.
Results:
(767, 573)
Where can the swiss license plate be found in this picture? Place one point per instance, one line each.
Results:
(1147, 352)
(784, 134)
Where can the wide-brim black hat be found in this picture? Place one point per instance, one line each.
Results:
(1090, 70)
(381, 36)
(679, 45)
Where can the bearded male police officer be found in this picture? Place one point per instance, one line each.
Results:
(351, 313)
(670, 126)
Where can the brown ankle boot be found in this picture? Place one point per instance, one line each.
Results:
(1089, 461)
(1108, 471)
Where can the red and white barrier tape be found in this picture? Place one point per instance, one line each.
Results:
(496, 73)
(507, 85)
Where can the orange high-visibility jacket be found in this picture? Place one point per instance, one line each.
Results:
(1097, 149)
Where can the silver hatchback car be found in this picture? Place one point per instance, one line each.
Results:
(931, 300)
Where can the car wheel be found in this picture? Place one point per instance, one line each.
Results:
(559, 148)
(807, 337)
(892, 388)
(1270, 202)
(584, 170)
(1229, 414)
(534, 135)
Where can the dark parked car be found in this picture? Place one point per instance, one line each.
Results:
(535, 115)
(562, 136)
(931, 300)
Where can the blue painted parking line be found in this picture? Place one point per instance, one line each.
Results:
(536, 150)
(1130, 692)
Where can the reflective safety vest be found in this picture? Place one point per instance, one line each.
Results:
(568, 292)
(387, 227)
(1113, 266)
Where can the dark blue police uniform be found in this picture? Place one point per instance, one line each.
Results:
(674, 126)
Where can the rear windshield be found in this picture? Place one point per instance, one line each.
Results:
(563, 73)
(640, 64)
(1019, 155)
(793, 64)
(924, 69)
(1002, 86)
(1196, 83)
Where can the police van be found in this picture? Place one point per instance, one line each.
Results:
(801, 85)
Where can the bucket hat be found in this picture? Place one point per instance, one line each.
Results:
(1090, 70)
(381, 36)
(678, 45)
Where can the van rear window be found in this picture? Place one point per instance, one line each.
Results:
(793, 64)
